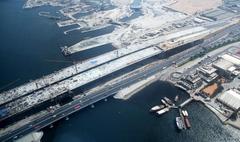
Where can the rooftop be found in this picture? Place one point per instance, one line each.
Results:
(208, 69)
(223, 64)
(231, 58)
(231, 98)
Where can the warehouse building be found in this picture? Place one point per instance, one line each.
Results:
(230, 98)
(227, 66)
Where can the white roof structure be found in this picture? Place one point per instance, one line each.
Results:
(208, 69)
(231, 69)
(223, 64)
(231, 59)
(231, 98)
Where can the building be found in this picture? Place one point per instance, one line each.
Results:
(207, 73)
(230, 98)
(231, 58)
(227, 66)
(193, 80)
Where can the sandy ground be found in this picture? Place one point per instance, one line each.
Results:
(129, 91)
(210, 90)
(194, 6)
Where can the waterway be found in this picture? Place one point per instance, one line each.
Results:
(29, 46)
(130, 121)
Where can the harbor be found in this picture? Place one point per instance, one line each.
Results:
(182, 121)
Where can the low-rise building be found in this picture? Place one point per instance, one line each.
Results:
(231, 99)
(227, 66)
(194, 80)
(207, 73)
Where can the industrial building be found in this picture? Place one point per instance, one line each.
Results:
(207, 73)
(230, 98)
(227, 66)
(194, 80)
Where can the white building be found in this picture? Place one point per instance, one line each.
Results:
(207, 73)
(227, 65)
(232, 59)
(230, 98)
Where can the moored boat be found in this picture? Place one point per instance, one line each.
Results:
(179, 123)
(156, 108)
(176, 98)
(168, 101)
(162, 111)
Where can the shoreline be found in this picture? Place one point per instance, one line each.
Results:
(165, 76)
(128, 92)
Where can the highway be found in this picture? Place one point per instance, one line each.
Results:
(86, 101)
(81, 103)
(95, 97)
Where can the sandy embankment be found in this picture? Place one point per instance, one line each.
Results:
(129, 91)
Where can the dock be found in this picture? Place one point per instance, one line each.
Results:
(186, 102)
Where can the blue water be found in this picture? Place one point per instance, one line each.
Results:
(29, 41)
(130, 121)
(30, 44)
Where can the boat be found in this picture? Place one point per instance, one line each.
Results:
(156, 108)
(168, 101)
(176, 98)
(187, 122)
(185, 113)
(179, 123)
(164, 102)
(162, 111)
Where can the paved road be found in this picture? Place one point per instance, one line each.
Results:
(88, 100)
(96, 96)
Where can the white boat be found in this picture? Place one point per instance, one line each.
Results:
(156, 108)
(162, 111)
(179, 123)
(183, 113)
(176, 98)
(186, 113)
(168, 101)
(164, 102)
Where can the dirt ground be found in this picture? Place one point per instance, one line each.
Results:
(194, 6)
(210, 90)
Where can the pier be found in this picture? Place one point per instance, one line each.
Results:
(186, 102)
(47, 14)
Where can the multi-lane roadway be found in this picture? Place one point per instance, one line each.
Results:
(83, 102)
